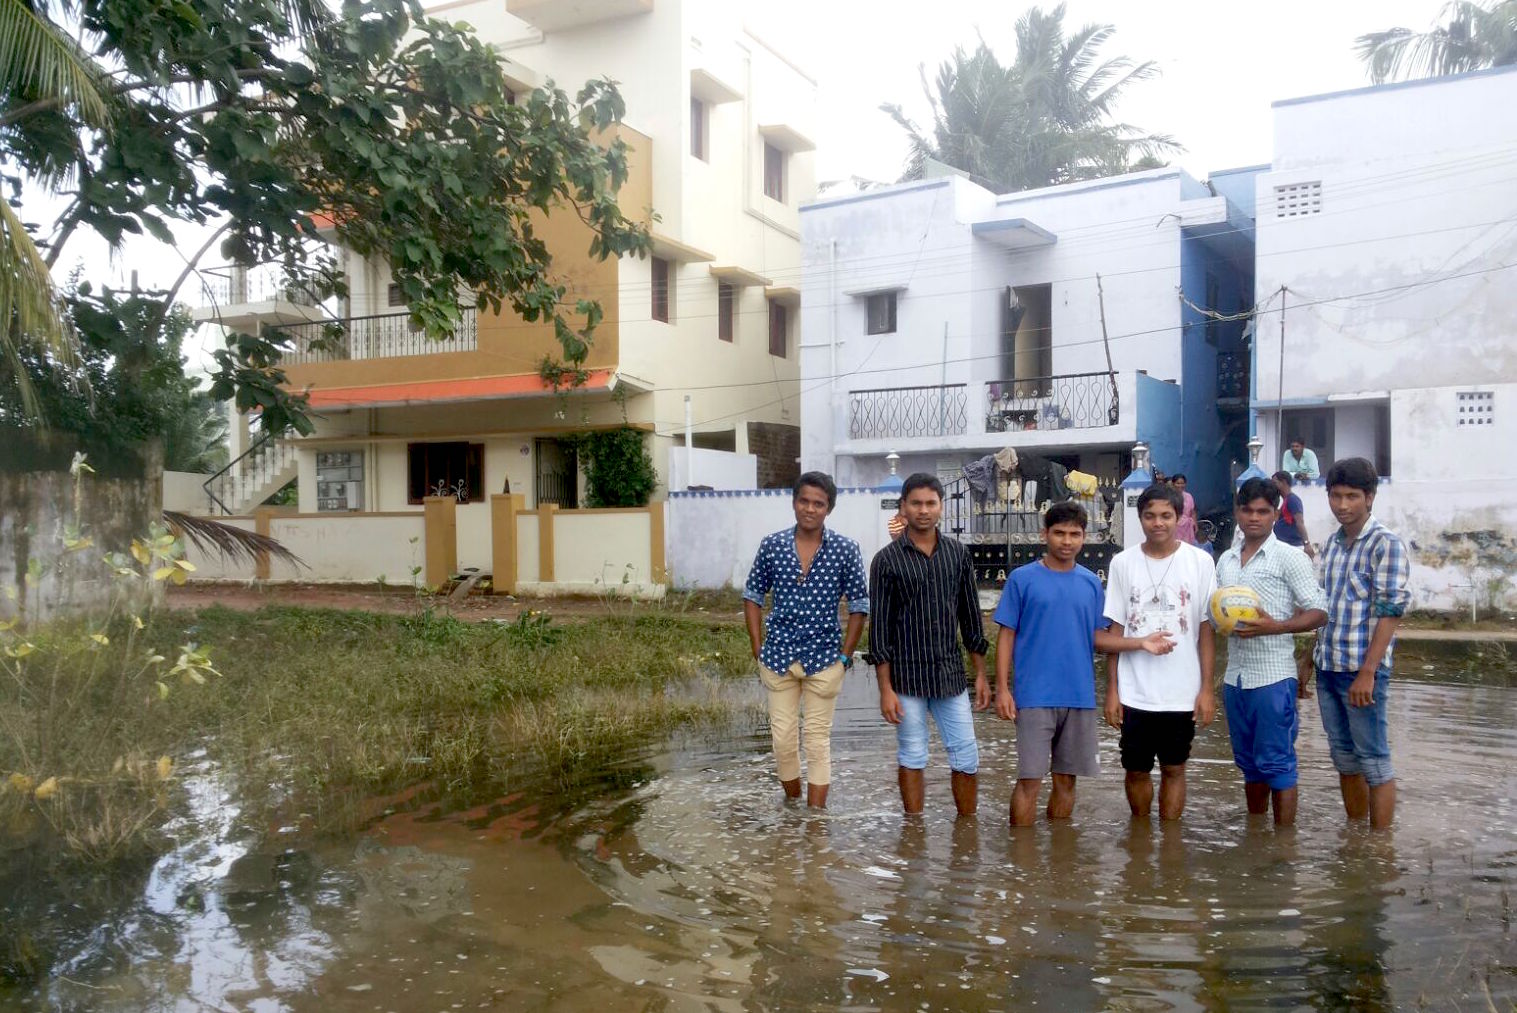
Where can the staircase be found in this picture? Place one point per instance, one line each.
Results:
(265, 468)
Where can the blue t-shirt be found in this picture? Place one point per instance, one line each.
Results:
(1285, 527)
(1055, 616)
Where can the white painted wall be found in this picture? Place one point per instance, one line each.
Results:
(602, 551)
(1397, 284)
(184, 492)
(919, 235)
(357, 548)
(712, 538)
(719, 469)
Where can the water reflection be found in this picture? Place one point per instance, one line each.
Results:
(691, 885)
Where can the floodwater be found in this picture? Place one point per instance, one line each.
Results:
(691, 886)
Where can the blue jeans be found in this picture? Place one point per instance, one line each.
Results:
(955, 721)
(1359, 737)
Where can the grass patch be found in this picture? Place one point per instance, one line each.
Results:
(317, 712)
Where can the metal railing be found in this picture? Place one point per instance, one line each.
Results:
(232, 489)
(896, 412)
(377, 337)
(233, 284)
(992, 519)
(1070, 401)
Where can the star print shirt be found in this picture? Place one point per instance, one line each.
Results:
(803, 625)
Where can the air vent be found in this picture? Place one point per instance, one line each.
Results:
(1294, 200)
(1477, 408)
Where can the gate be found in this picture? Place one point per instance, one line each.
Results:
(1003, 534)
(557, 475)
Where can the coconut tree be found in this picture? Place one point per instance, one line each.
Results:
(1045, 118)
(38, 63)
(1471, 36)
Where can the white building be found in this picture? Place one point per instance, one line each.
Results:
(1389, 219)
(942, 322)
(719, 124)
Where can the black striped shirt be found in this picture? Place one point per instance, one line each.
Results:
(920, 606)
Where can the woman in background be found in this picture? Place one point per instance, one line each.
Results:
(1185, 530)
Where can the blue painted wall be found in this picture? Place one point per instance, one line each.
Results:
(1208, 445)
(1159, 420)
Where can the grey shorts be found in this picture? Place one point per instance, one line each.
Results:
(1063, 739)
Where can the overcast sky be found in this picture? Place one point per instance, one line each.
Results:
(1221, 64)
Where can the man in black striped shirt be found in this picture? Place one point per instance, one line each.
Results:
(923, 593)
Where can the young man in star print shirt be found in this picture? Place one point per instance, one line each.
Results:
(808, 570)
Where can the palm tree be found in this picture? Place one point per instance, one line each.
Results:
(38, 62)
(1473, 37)
(1044, 119)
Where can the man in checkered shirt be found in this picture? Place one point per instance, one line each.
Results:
(1365, 570)
(1260, 687)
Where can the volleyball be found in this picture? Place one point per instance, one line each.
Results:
(1233, 605)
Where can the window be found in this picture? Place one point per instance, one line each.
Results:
(1293, 200)
(777, 326)
(393, 295)
(774, 173)
(881, 307)
(663, 292)
(1476, 408)
(446, 469)
(726, 310)
(698, 129)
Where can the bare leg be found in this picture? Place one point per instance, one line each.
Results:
(1382, 805)
(792, 788)
(1356, 795)
(1285, 807)
(1171, 792)
(816, 795)
(913, 789)
(1256, 793)
(1140, 792)
(1061, 801)
(1024, 801)
(966, 792)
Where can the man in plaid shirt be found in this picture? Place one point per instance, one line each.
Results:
(1365, 570)
(1259, 689)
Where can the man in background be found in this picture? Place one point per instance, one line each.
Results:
(1299, 462)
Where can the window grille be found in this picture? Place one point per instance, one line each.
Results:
(1293, 200)
(1476, 408)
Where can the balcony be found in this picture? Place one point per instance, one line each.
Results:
(897, 412)
(1047, 403)
(391, 335)
(1068, 410)
(245, 297)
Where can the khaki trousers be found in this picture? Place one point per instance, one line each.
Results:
(785, 693)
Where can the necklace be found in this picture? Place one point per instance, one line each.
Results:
(1160, 582)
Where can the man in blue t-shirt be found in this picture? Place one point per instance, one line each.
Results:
(1052, 623)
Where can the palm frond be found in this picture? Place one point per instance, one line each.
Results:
(233, 544)
(30, 314)
(37, 59)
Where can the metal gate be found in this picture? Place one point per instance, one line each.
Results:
(1003, 535)
(557, 475)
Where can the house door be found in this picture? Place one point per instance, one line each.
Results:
(557, 478)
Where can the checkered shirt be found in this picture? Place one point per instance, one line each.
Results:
(1366, 582)
(1283, 578)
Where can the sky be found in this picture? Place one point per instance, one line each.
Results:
(1221, 65)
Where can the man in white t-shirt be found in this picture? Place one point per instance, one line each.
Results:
(1156, 700)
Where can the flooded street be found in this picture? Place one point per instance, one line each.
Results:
(691, 886)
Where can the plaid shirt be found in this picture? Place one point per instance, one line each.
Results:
(1283, 578)
(1366, 582)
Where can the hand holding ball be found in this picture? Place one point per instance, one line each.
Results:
(1233, 605)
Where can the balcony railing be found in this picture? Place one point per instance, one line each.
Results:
(1071, 401)
(377, 337)
(896, 412)
(234, 284)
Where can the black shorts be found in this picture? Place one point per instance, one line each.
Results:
(1166, 735)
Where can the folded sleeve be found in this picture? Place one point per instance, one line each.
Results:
(1392, 576)
(760, 576)
(855, 584)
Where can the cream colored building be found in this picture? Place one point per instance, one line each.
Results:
(719, 125)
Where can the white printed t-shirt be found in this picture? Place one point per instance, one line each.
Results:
(1148, 595)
